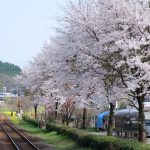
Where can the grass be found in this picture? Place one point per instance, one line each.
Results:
(59, 142)
(91, 129)
(62, 142)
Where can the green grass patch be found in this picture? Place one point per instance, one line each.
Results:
(5, 111)
(63, 135)
(59, 142)
(91, 129)
(97, 142)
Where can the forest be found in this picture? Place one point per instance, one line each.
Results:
(7, 73)
(9, 69)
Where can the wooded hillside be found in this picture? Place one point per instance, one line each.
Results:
(9, 69)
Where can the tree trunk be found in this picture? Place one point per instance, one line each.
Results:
(63, 120)
(84, 117)
(111, 120)
(45, 116)
(56, 107)
(141, 119)
(67, 116)
(67, 121)
(35, 111)
(19, 106)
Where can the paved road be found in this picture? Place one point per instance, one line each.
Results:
(148, 140)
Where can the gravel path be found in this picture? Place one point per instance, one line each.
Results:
(5, 144)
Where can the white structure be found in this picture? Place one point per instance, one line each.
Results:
(2, 95)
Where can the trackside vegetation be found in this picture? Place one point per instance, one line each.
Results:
(95, 142)
(57, 141)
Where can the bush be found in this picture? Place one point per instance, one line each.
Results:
(31, 121)
(96, 142)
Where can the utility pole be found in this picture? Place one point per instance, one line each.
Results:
(19, 106)
(18, 99)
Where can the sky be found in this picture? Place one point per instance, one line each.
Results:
(25, 25)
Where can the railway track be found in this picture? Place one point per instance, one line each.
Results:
(19, 141)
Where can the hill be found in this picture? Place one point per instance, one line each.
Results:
(9, 69)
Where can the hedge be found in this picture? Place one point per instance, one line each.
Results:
(30, 120)
(96, 142)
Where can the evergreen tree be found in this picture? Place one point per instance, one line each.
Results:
(9, 69)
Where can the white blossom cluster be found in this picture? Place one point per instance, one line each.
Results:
(102, 49)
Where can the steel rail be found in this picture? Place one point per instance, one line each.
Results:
(15, 145)
(23, 136)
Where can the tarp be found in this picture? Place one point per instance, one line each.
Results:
(99, 120)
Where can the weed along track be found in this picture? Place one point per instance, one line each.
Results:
(18, 140)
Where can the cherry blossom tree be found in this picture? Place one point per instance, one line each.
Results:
(130, 42)
(119, 31)
(67, 109)
(101, 48)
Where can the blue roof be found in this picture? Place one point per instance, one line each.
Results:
(99, 120)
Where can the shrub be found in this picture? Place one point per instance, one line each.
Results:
(96, 142)
(31, 121)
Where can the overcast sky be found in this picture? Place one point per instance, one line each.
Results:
(24, 27)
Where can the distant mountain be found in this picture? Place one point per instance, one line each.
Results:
(9, 69)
